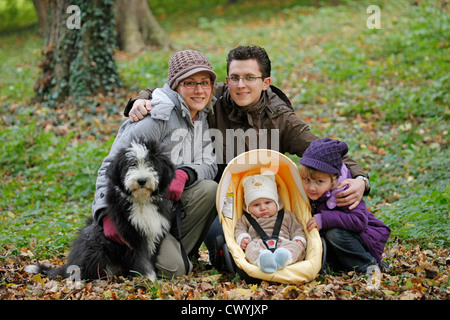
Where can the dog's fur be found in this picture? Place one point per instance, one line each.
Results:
(139, 177)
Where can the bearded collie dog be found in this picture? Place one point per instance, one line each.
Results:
(139, 177)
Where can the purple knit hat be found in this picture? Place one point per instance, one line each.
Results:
(325, 155)
(186, 63)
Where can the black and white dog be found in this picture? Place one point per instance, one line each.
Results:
(139, 177)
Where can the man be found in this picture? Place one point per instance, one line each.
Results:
(248, 109)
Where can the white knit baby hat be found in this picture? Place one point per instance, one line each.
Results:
(260, 186)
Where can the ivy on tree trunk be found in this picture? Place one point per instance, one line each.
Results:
(79, 59)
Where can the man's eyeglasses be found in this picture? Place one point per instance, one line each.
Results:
(192, 84)
(246, 79)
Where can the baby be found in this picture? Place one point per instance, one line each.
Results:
(265, 208)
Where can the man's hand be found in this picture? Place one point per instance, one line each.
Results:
(140, 109)
(351, 196)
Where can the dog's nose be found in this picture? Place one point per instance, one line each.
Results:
(142, 182)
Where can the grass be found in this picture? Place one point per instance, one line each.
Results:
(20, 53)
(384, 92)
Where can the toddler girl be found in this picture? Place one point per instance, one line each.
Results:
(355, 238)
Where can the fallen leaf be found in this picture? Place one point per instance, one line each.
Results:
(38, 278)
(204, 286)
(56, 295)
(177, 293)
(389, 293)
(190, 295)
(244, 292)
(212, 278)
(67, 290)
(410, 295)
(291, 292)
(88, 287)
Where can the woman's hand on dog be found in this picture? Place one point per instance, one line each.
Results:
(110, 230)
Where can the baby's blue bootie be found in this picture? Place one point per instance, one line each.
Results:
(267, 262)
(281, 256)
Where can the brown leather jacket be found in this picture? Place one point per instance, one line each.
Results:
(285, 131)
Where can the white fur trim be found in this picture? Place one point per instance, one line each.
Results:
(303, 240)
(289, 260)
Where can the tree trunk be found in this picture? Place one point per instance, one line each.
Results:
(55, 74)
(79, 58)
(42, 12)
(137, 27)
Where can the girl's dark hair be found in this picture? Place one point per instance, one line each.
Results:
(251, 52)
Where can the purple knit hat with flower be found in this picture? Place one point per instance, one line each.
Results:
(325, 155)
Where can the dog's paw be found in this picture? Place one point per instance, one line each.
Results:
(32, 268)
(151, 276)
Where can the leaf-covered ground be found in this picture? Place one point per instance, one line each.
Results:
(416, 274)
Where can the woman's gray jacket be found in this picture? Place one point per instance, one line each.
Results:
(188, 144)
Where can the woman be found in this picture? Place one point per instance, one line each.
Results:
(178, 121)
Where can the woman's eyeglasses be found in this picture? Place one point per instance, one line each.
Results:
(192, 84)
